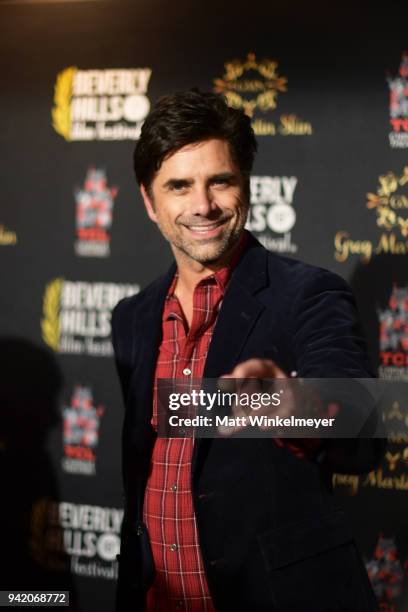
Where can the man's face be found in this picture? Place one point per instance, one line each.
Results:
(197, 200)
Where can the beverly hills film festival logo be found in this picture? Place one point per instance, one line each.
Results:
(254, 86)
(106, 104)
(393, 324)
(76, 315)
(271, 215)
(398, 87)
(81, 432)
(94, 208)
(390, 205)
(78, 538)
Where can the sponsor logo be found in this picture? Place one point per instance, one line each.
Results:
(76, 315)
(94, 207)
(390, 203)
(106, 104)
(393, 322)
(254, 86)
(392, 474)
(81, 432)
(399, 106)
(81, 538)
(386, 573)
(271, 215)
(7, 237)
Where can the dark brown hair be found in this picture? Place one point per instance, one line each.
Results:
(191, 116)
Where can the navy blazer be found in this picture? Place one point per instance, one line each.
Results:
(271, 533)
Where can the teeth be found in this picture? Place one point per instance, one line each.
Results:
(203, 228)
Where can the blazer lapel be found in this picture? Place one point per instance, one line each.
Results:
(239, 311)
(148, 337)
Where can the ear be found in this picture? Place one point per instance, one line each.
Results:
(148, 202)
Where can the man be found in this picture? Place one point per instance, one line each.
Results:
(229, 524)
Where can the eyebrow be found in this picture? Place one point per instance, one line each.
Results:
(177, 182)
(224, 176)
(187, 182)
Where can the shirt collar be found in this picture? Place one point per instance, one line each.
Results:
(221, 276)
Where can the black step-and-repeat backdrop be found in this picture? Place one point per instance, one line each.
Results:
(327, 90)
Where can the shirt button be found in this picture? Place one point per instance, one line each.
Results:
(186, 371)
(180, 603)
(174, 487)
(174, 547)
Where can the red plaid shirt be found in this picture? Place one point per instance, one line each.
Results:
(168, 511)
(180, 581)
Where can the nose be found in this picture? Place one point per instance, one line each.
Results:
(202, 201)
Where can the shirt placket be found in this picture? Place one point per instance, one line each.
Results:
(189, 353)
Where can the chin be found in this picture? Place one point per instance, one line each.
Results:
(208, 255)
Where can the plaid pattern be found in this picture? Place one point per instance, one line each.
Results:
(168, 511)
(180, 581)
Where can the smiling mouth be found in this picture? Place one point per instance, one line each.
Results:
(207, 228)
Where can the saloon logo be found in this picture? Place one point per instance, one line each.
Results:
(81, 432)
(399, 106)
(271, 215)
(81, 538)
(393, 322)
(390, 203)
(76, 315)
(100, 104)
(392, 473)
(94, 207)
(254, 86)
(7, 237)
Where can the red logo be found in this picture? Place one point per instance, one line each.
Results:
(81, 432)
(394, 329)
(94, 208)
(399, 105)
(386, 573)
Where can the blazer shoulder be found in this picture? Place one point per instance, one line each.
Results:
(125, 313)
(127, 307)
(299, 276)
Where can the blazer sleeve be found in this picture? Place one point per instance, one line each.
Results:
(328, 343)
(122, 342)
(326, 334)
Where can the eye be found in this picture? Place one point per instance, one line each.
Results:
(221, 182)
(178, 187)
